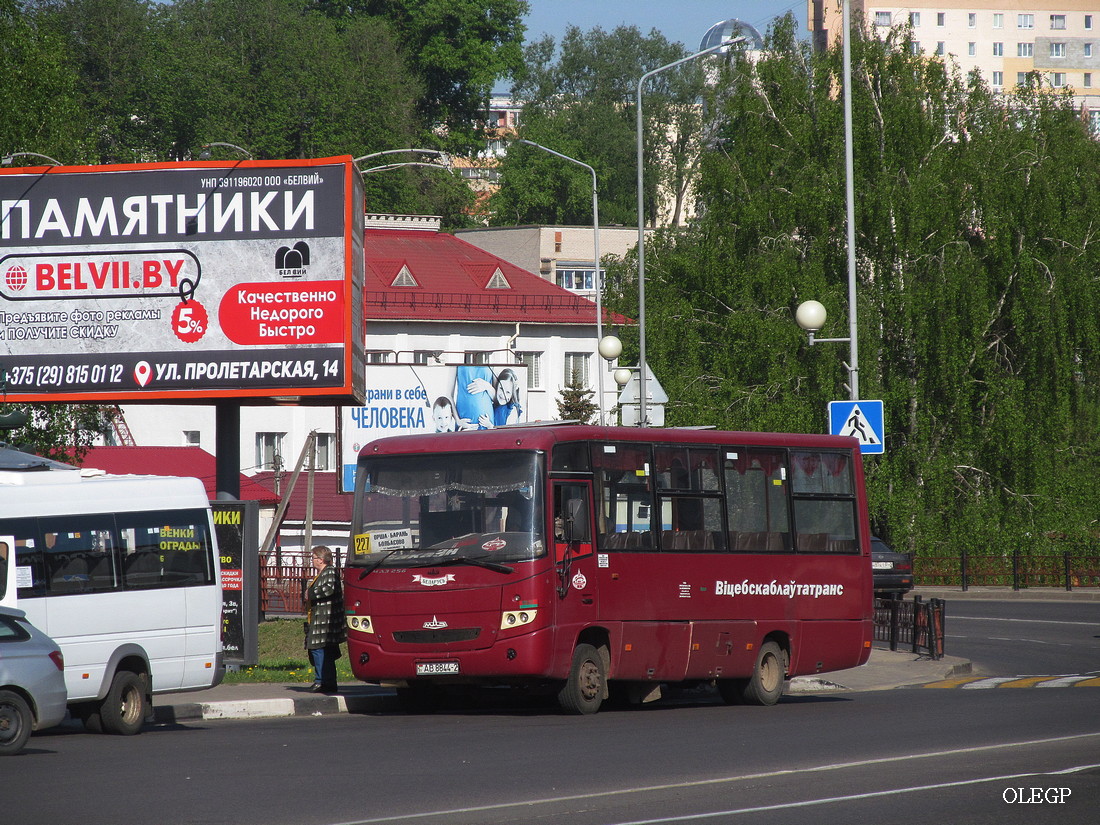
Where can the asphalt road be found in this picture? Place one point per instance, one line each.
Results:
(908, 755)
(1020, 638)
(912, 755)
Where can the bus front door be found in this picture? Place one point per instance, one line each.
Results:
(574, 551)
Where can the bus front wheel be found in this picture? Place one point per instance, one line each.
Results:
(586, 687)
(123, 710)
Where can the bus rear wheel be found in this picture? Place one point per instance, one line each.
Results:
(765, 686)
(586, 687)
(123, 710)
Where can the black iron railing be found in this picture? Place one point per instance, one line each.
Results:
(1012, 568)
(915, 625)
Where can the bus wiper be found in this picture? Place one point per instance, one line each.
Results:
(375, 565)
(475, 562)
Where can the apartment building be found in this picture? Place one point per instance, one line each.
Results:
(1003, 39)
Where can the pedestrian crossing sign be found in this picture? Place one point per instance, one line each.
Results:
(859, 419)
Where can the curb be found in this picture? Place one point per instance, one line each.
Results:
(268, 708)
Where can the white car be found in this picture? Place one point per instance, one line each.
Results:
(32, 681)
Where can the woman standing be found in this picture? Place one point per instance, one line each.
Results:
(325, 628)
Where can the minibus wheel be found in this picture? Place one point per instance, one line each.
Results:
(123, 710)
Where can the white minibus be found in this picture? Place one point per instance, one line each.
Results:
(122, 572)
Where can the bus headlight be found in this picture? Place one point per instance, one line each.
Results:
(360, 623)
(517, 618)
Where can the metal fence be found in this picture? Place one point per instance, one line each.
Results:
(283, 589)
(915, 625)
(1009, 569)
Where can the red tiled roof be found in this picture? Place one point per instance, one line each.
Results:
(452, 279)
(328, 505)
(171, 461)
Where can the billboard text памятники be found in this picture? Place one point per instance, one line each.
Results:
(181, 281)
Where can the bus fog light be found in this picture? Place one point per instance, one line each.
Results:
(364, 657)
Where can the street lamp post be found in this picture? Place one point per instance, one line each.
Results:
(387, 166)
(596, 258)
(810, 315)
(643, 413)
(205, 153)
(443, 156)
(7, 159)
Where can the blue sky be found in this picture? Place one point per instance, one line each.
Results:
(682, 21)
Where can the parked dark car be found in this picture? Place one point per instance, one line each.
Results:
(893, 571)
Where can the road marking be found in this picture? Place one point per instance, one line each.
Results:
(829, 800)
(752, 777)
(1024, 621)
(989, 682)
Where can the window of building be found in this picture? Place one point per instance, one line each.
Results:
(1057, 49)
(914, 18)
(998, 49)
(971, 48)
(916, 47)
(476, 357)
(576, 369)
(557, 242)
(1057, 21)
(1088, 21)
(192, 438)
(1025, 21)
(533, 362)
(998, 80)
(941, 19)
(1088, 80)
(998, 21)
(939, 48)
(1088, 50)
(1024, 49)
(1058, 80)
(1021, 78)
(1094, 121)
(576, 279)
(972, 20)
(379, 357)
(269, 450)
(882, 18)
(423, 357)
(324, 451)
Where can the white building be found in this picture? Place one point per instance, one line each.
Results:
(430, 298)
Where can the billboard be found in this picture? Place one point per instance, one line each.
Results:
(429, 398)
(182, 281)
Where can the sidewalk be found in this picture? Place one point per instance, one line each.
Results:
(1030, 594)
(884, 670)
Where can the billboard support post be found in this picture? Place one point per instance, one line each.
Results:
(227, 449)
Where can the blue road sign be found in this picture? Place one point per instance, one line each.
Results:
(859, 419)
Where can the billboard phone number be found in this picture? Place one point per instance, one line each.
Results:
(57, 375)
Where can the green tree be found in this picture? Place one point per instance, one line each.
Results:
(61, 431)
(38, 84)
(977, 301)
(575, 403)
(456, 49)
(580, 99)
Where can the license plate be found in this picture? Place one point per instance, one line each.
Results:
(882, 565)
(432, 668)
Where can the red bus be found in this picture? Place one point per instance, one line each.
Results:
(596, 560)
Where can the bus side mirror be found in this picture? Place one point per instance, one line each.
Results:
(575, 521)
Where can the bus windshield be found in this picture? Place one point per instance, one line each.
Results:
(448, 508)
